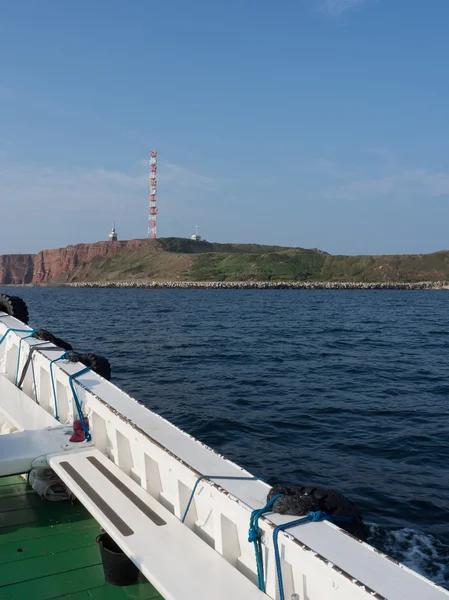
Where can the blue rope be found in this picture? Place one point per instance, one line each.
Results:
(213, 477)
(32, 332)
(318, 515)
(254, 537)
(52, 378)
(13, 329)
(82, 418)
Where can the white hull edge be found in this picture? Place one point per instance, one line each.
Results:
(319, 561)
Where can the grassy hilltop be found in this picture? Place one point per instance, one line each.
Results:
(179, 259)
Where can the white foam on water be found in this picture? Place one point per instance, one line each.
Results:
(419, 551)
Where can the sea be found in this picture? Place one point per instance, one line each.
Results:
(345, 389)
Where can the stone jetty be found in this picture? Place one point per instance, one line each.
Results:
(263, 285)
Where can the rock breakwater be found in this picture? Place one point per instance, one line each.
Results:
(264, 285)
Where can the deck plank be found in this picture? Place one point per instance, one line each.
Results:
(10, 480)
(19, 500)
(48, 551)
(55, 586)
(39, 529)
(140, 591)
(24, 550)
(39, 514)
(14, 489)
(48, 564)
(89, 581)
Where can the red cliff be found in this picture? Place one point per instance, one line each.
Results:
(58, 265)
(16, 268)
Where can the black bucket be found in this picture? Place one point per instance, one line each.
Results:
(118, 568)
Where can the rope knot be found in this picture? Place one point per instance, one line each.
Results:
(254, 537)
(253, 534)
(318, 515)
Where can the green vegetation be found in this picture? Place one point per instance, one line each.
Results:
(400, 267)
(184, 245)
(177, 259)
(289, 265)
(133, 263)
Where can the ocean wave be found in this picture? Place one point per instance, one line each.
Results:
(421, 552)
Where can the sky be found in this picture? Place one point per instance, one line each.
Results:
(312, 123)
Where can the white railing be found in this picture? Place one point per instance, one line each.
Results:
(319, 561)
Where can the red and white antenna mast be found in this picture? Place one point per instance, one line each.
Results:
(152, 212)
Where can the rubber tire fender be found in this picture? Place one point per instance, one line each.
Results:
(317, 498)
(14, 306)
(46, 336)
(97, 363)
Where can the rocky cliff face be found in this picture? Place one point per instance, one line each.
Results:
(58, 265)
(179, 259)
(16, 268)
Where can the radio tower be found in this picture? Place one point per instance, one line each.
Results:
(152, 212)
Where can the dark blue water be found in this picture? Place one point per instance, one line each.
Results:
(345, 389)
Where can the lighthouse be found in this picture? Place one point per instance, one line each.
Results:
(113, 234)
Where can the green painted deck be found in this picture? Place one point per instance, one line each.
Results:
(48, 550)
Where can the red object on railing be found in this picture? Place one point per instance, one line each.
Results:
(78, 431)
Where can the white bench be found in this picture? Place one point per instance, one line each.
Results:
(39, 433)
(173, 558)
(18, 451)
(21, 410)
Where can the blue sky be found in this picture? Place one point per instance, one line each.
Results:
(315, 123)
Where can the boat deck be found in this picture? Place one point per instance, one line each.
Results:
(48, 550)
